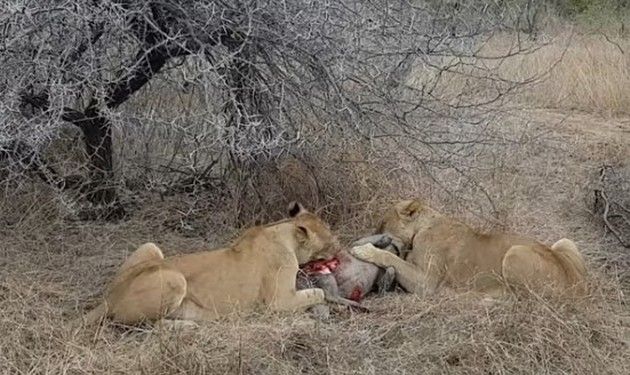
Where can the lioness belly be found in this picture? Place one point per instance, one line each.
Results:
(218, 284)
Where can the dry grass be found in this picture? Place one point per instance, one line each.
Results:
(563, 70)
(589, 73)
(53, 269)
(402, 334)
(48, 277)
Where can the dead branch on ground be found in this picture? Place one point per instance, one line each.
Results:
(614, 212)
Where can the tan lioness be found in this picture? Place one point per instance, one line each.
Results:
(259, 269)
(446, 252)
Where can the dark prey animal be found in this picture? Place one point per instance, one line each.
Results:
(347, 280)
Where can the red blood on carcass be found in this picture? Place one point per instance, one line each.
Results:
(320, 267)
(357, 294)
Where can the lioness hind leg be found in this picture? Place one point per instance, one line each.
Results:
(146, 252)
(149, 296)
(526, 268)
(490, 285)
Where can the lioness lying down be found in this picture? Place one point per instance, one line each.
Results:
(447, 252)
(258, 269)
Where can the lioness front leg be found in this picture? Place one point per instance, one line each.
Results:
(285, 296)
(408, 275)
(298, 300)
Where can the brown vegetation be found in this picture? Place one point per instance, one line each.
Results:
(528, 164)
(52, 270)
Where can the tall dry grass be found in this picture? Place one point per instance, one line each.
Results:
(588, 73)
(562, 69)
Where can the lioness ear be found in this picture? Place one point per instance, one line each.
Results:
(301, 233)
(412, 208)
(295, 209)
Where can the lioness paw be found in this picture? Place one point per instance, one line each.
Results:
(318, 294)
(177, 324)
(365, 252)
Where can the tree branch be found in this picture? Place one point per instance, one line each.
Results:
(41, 102)
(28, 159)
(147, 65)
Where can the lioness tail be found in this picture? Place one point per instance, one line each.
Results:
(571, 260)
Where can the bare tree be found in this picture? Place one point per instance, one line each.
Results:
(271, 66)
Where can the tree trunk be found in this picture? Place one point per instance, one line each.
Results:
(98, 142)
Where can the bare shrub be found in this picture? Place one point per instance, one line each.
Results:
(197, 91)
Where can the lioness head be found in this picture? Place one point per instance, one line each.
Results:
(315, 239)
(405, 218)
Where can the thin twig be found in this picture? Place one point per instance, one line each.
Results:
(607, 214)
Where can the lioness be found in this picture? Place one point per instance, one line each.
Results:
(258, 269)
(447, 252)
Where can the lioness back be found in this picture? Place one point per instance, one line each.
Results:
(464, 252)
